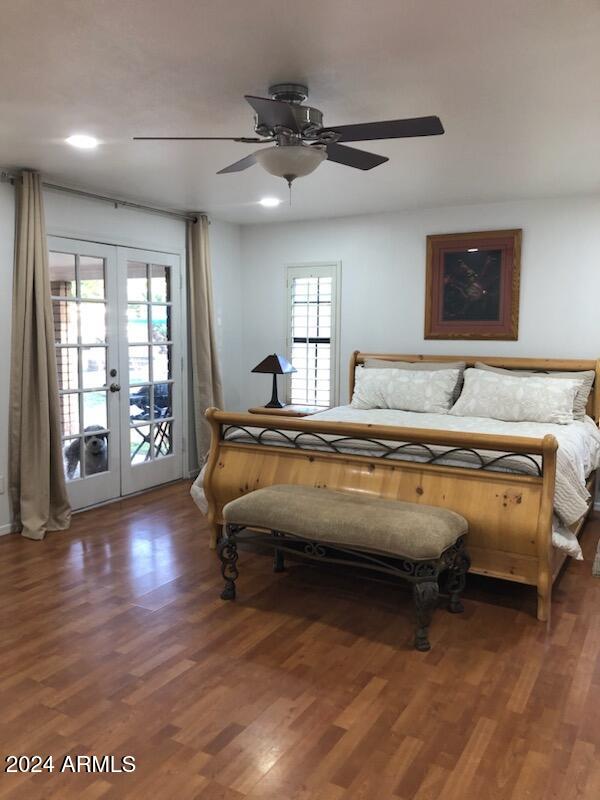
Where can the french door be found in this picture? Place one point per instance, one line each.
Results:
(118, 350)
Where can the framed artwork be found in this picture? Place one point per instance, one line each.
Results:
(472, 288)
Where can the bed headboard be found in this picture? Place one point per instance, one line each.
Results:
(539, 364)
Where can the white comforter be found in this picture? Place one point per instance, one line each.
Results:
(578, 454)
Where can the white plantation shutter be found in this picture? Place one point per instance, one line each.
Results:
(312, 315)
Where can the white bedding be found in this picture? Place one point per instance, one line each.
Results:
(578, 454)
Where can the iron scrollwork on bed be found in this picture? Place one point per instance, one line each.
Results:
(520, 463)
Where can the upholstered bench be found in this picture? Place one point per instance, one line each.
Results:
(407, 540)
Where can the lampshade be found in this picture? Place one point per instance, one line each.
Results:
(275, 364)
(291, 161)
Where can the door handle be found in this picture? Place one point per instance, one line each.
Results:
(115, 387)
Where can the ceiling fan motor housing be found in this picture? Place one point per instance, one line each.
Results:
(289, 92)
(309, 121)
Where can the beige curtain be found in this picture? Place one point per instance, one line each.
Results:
(206, 374)
(36, 476)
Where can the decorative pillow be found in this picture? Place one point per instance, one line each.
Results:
(431, 366)
(406, 390)
(525, 399)
(581, 398)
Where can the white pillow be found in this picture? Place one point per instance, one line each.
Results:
(432, 366)
(487, 394)
(406, 390)
(586, 377)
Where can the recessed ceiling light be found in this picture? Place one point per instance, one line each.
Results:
(269, 202)
(82, 141)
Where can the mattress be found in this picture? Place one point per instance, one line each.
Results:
(578, 454)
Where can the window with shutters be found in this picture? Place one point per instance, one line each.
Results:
(312, 334)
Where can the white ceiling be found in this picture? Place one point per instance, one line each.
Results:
(515, 82)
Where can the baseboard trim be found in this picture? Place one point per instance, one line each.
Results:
(4, 529)
(597, 505)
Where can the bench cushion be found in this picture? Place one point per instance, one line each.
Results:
(357, 520)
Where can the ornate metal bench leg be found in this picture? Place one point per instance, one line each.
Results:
(278, 562)
(457, 577)
(229, 556)
(425, 595)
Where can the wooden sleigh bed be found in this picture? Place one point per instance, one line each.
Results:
(510, 515)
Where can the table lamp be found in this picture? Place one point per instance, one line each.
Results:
(277, 365)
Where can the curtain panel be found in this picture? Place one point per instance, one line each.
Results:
(206, 373)
(36, 474)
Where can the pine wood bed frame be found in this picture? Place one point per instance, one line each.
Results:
(510, 515)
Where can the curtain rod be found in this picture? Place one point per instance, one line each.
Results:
(8, 177)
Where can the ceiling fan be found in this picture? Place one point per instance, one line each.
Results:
(302, 142)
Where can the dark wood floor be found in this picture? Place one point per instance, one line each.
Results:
(115, 642)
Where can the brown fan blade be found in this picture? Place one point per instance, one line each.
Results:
(392, 129)
(238, 166)
(273, 113)
(351, 157)
(248, 139)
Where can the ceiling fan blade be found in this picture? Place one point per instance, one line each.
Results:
(391, 129)
(273, 113)
(249, 139)
(351, 157)
(238, 166)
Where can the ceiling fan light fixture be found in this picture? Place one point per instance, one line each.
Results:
(291, 161)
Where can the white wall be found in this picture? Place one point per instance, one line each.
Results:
(67, 215)
(383, 281)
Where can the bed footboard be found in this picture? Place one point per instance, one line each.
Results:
(509, 514)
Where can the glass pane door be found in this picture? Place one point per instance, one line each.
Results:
(117, 338)
(83, 291)
(151, 367)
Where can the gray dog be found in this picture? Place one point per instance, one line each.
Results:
(96, 452)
